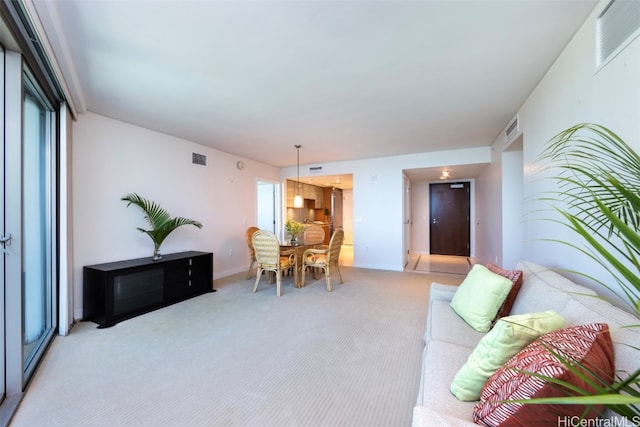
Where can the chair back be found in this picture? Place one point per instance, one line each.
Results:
(267, 247)
(248, 235)
(335, 245)
(313, 233)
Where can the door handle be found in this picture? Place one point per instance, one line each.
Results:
(434, 221)
(5, 240)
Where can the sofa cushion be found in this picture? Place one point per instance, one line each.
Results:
(448, 326)
(516, 278)
(480, 296)
(626, 340)
(509, 335)
(426, 417)
(544, 289)
(591, 349)
(440, 361)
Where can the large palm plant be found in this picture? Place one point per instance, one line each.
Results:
(598, 197)
(159, 219)
(597, 180)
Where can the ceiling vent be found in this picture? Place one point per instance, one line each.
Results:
(512, 130)
(199, 159)
(616, 27)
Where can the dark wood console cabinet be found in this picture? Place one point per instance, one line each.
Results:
(120, 290)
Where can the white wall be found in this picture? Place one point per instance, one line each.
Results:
(512, 215)
(65, 299)
(112, 158)
(488, 220)
(571, 92)
(378, 200)
(420, 217)
(347, 213)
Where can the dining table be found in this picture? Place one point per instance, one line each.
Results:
(299, 246)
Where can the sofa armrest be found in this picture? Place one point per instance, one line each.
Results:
(439, 291)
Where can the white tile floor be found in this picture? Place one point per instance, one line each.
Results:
(413, 259)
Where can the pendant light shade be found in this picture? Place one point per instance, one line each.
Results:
(297, 200)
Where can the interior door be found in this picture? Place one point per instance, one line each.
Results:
(449, 218)
(267, 193)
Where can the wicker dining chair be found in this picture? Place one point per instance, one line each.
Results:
(252, 252)
(313, 233)
(325, 258)
(270, 258)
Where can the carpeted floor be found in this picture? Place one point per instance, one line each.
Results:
(233, 358)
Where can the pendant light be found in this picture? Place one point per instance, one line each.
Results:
(297, 200)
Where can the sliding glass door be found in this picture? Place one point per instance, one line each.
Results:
(38, 215)
(28, 237)
(29, 106)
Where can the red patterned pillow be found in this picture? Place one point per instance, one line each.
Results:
(589, 346)
(516, 277)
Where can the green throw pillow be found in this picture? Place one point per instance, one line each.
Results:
(509, 335)
(480, 296)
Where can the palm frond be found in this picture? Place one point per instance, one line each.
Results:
(160, 222)
(596, 178)
(598, 196)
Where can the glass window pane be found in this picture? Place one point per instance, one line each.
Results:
(37, 230)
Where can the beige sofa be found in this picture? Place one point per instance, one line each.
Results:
(449, 340)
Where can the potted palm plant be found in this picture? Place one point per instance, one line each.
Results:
(597, 176)
(159, 220)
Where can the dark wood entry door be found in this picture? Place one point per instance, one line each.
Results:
(449, 218)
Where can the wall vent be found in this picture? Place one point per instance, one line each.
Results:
(616, 27)
(315, 169)
(198, 159)
(512, 130)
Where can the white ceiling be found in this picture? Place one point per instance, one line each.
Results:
(345, 79)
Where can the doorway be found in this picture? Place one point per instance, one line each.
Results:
(267, 208)
(449, 218)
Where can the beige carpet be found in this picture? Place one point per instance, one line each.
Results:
(443, 264)
(233, 358)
